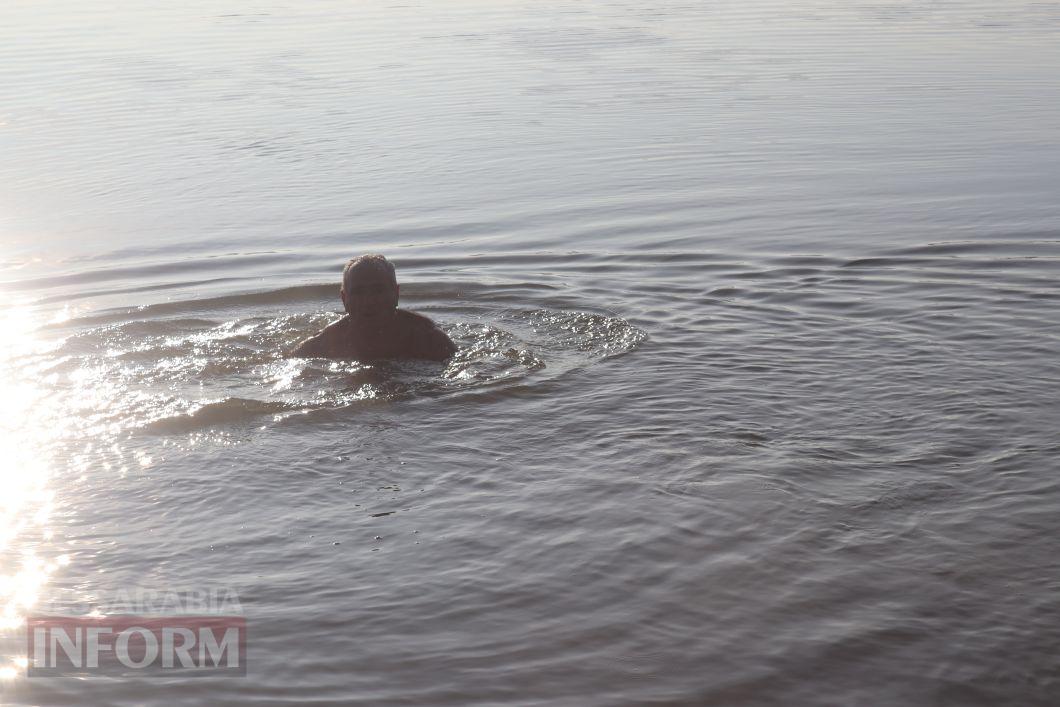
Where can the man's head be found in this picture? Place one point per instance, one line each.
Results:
(369, 287)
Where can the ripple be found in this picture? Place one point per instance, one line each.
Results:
(162, 374)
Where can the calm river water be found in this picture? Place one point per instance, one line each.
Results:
(756, 401)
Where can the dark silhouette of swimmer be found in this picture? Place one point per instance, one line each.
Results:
(374, 327)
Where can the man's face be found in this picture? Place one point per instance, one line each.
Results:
(371, 294)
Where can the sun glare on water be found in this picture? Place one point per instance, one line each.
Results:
(27, 557)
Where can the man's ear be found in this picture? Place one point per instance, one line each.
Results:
(342, 295)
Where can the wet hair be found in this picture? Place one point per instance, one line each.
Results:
(372, 262)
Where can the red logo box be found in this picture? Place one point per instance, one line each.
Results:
(128, 645)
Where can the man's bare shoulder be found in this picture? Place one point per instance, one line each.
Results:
(324, 344)
(418, 321)
(427, 340)
(414, 336)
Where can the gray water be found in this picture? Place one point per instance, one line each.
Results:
(757, 309)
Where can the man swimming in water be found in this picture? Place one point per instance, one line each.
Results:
(374, 327)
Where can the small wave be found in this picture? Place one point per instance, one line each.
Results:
(981, 247)
(143, 271)
(232, 411)
(287, 296)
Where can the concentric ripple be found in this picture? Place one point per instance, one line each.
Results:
(165, 373)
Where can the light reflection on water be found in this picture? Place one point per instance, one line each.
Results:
(28, 436)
